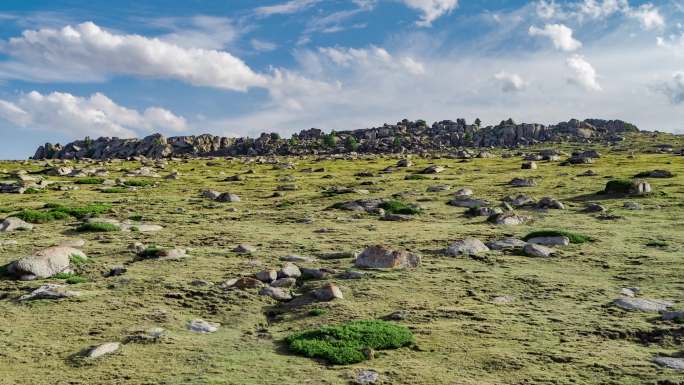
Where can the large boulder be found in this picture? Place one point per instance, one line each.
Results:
(45, 263)
(380, 257)
(14, 224)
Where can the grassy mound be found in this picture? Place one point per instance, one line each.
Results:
(139, 183)
(573, 237)
(620, 186)
(415, 177)
(91, 210)
(151, 252)
(90, 181)
(36, 216)
(347, 343)
(97, 227)
(398, 207)
(114, 190)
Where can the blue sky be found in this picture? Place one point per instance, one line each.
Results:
(241, 67)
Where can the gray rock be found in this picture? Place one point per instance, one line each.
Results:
(550, 241)
(13, 224)
(434, 169)
(642, 304)
(45, 263)
(104, 349)
(464, 192)
(245, 249)
(507, 244)
(366, 377)
(267, 275)
(284, 282)
(296, 258)
(49, 291)
(673, 315)
(289, 270)
(328, 292)
(539, 251)
(670, 362)
(439, 188)
(228, 197)
(468, 246)
(276, 293)
(380, 257)
(508, 219)
(523, 182)
(460, 201)
(201, 326)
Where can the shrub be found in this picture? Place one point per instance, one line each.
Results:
(136, 217)
(32, 190)
(346, 343)
(114, 190)
(91, 210)
(97, 227)
(90, 181)
(330, 140)
(35, 216)
(150, 252)
(139, 183)
(573, 237)
(398, 207)
(317, 312)
(415, 177)
(351, 143)
(618, 187)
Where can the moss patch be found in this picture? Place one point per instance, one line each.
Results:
(398, 207)
(347, 343)
(90, 181)
(97, 227)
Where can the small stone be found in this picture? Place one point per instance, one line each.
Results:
(284, 282)
(629, 291)
(49, 291)
(673, 315)
(13, 224)
(201, 326)
(247, 283)
(289, 270)
(276, 293)
(245, 249)
(115, 271)
(670, 362)
(380, 257)
(642, 304)
(366, 377)
(468, 246)
(550, 241)
(503, 299)
(328, 292)
(506, 244)
(267, 275)
(539, 251)
(104, 349)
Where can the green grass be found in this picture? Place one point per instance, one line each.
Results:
(317, 312)
(399, 207)
(91, 210)
(70, 278)
(139, 183)
(136, 217)
(77, 260)
(345, 344)
(114, 190)
(90, 181)
(150, 252)
(574, 237)
(32, 190)
(97, 227)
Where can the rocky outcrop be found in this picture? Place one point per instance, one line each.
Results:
(405, 136)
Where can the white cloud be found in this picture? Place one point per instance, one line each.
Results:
(648, 15)
(372, 57)
(86, 52)
(674, 88)
(262, 46)
(510, 82)
(582, 73)
(601, 9)
(289, 7)
(201, 31)
(77, 116)
(560, 35)
(431, 9)
(547, 9)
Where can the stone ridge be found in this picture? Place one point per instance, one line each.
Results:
(405, 136)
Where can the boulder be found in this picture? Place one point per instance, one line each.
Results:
(328, 292)
(104, 349)
(13, 224)
(277, 293)
(642, 304)
(45, 263)
(675, 363)
(380, 257)
(550, 241)
(539, 251)
(468, 246)
(506, 244)
(201, 326)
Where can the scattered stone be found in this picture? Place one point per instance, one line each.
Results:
(13, 224)
(483, 211)
(267, 275)
(328, 292)
(380, 257)
(276, 293)
(313, 273)
(366, 377)
(227, 197)
(670, 362)
(289, 270)
(523, 182)
(104, 349)
(464, 192)
(539, 251)
(550, 241)
(655, 174)
(642, 304)
(115, 271)
(468, 246)
(149, 336)
(503, 299)
(550, 203)
(529, 166)
(296, 258)
(49, 291)
(245, 283)
(245, 249)
(284, 282)
(404, 163)
(460, 201)
(673, 315)
(629, 291)
(201, 326)
(45, 263)
(434, 169)
(632, 206)
(506, 244)
(508, 219)
(396, 217)
(439, 188)
(594, 208)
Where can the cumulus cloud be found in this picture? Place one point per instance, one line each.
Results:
(674, 88)
(510, 82)
(372, 56)
(648, 15)
(431, 9)
(87, 52)
(582, 73)
(76, 116)
(292, 6)
(559, 34)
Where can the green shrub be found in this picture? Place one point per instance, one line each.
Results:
(139, 183)
(90, 181)
(618, 187)
(398, 207)
(150, 252)
(97, 227)
(136, 217)
(74, 279)
(346, 343)
(32, 190)
(62, 275)
(114, 190)
(317, 312)
(91, 210)
(415, 177)
(657, 243)
(77, 260)
(35, 216)
(573, 237)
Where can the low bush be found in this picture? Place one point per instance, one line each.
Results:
(573, 237)
(114, 190)
(90, 181)
(415, 177)
(618, 187)
(139, 183)
(317, 312)
(398, 207)
(36, 216)
(97, 227)
(350, 342)
(77, 260)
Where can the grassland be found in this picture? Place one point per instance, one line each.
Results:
(559, 329)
